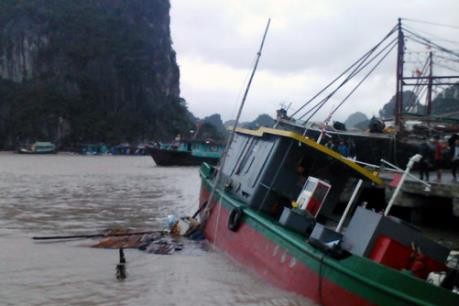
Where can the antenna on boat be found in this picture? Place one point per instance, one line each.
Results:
(233, 130)
(250, 82)
(399, 82)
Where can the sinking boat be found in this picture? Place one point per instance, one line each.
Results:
(276, 206)
(186, 153)
(39, 147)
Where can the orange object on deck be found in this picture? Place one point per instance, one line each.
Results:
(391, 253)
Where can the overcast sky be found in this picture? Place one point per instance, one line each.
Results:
(308, 44)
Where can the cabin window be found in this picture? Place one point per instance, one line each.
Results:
(235, 153)
(250, 165)
(265, 152)
(250, 151)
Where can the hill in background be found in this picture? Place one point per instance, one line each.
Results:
(88, 71)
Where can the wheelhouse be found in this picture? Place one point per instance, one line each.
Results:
(268, 168)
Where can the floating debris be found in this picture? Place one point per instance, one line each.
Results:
(161, 242)
(151, 241)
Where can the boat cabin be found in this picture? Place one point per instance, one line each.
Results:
(267, 169)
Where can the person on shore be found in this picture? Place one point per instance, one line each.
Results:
(452, 143)
(455, 160)
(425, 151)
(438, 156)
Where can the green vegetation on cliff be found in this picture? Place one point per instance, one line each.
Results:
(447, 103)
(86, 71)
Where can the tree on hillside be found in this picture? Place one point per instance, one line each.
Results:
(262, 120)
(355, 119)
(211, 127)
(447, 102)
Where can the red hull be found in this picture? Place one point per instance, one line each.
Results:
(272, 262)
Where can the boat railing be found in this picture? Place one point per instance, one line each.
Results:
(395, 169)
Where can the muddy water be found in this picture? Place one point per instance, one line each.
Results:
(62, 194)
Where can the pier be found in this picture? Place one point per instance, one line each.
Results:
(415, 194)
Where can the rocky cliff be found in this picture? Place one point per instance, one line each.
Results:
(446, 103)
(84, 71)
(357, 119)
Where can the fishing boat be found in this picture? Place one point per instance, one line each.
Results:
(186, 153)
(309, 220)
(39, 147)
(93, 149)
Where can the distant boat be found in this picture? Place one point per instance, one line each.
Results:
(128, 149)
(39, 147)
(186, 153)
(122, 149)
(93, 149)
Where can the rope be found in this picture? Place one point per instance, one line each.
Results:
(436, 37)
(417, 90)
(432, 23)
(430, 43)
(362, 58)
(356, 71)
(447, 58)
(364, 78)
(390, 45)
(446, 67)
(217, 222)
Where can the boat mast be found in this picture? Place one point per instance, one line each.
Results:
(399, 85)
(429, 85)
(231, 136)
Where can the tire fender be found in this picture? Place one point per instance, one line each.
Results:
(234, 219)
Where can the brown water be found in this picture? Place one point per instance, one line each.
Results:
(68, 194)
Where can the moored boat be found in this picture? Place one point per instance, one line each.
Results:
(186, 153)
(39, 147)
(272, 206)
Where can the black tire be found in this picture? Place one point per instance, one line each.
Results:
(234, 219)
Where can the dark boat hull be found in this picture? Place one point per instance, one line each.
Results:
(179, 158)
